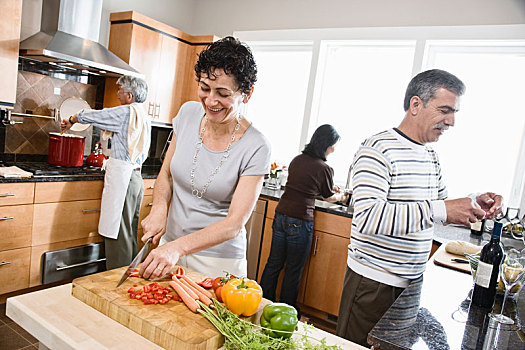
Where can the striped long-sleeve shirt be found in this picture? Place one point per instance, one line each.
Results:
(396, 184)
(115, 119)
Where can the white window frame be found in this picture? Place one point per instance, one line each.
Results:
(422, 34)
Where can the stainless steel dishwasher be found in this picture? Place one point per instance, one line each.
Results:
(254, 231)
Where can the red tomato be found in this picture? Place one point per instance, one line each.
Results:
(218, 292)
(217, 283)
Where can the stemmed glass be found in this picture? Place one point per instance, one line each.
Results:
(512, 272)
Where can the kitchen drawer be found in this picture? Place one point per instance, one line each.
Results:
(46, 192)
(16, 193)
(149, 185)
(37, 251)
(15, 226)
(14, 273)
(56, 222)
(331, 223)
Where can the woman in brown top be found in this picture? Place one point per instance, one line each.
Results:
(309, 177)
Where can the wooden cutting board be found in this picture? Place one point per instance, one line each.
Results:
(443, 258)
(171, 326)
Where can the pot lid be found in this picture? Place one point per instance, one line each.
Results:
(67, 135)
(71, 106)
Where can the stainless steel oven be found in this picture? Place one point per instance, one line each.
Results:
(69, 263)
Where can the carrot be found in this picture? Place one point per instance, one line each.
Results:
(196, 286)
(190, 303)
(187, 288)
(200, 295)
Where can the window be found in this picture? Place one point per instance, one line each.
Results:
(277, 104)
(360, 89)
(480, 153)
(357, 82)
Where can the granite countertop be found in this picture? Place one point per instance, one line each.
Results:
(148, 172)
(435, 313)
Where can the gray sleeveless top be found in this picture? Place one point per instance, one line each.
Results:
(248, 156)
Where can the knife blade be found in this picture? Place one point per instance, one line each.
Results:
(142, 253)
(459, 260)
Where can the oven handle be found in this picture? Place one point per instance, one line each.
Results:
(60, 268)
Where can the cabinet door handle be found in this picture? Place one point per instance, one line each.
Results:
(5, 263)
(7, 195)
(157, 111)
(60, 268)
(7, 218)
(150, 110)
(150, 204)
(151, 187)
(85, 211)
(315, 245)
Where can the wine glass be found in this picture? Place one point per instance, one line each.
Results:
(512, 272)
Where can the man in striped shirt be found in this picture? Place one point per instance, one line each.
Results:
(398, 196)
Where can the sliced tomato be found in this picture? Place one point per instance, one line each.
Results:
(206, 283)
(179, 272)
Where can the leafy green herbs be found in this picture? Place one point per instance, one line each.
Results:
(240, 334)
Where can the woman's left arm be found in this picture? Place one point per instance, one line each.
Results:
(162, 259)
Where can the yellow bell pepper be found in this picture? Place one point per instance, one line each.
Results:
(242, 296)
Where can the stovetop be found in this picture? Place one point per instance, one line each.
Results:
(46, 169)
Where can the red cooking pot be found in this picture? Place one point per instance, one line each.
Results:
(66, 149)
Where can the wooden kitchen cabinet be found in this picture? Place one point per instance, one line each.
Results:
(64, 221)
(165, 55)
(16, 193)
(48, 192)
(14, 269)
(9, 42)
(326, 272)
(15, 225)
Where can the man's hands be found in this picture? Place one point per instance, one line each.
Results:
(491, 203)
(66, 124)
(465, 211)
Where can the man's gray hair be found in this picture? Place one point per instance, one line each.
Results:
(425, 84)
(136, 86)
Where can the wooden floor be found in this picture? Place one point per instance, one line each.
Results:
(12, 336)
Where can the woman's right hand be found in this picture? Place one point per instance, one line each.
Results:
(154, 225)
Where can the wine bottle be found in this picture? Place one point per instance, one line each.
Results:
(487, 273)
(477, 227)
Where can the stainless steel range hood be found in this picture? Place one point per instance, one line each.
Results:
(68, 37)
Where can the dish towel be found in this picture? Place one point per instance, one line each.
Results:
(14, 172)
(138, 142)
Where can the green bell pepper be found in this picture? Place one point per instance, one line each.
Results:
(279, 317)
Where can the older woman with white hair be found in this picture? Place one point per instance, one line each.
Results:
(129, 127)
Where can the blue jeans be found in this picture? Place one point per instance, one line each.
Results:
(291, 242)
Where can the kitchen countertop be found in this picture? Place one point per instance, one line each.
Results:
(340, 210)
(148, 172)
(60, 321)
(433, 313)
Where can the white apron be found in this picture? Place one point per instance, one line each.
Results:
(116, 182)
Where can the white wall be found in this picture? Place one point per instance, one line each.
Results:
(226, 16)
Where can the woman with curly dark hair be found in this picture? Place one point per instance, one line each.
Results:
(212, 173)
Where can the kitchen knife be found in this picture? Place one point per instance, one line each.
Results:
(461, 261)
(142, 253)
